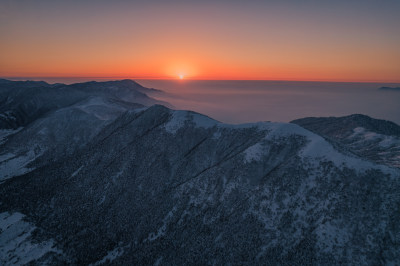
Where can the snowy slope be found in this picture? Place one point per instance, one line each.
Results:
(372, 139)
(158, 186)
(22, 102)
(41, 123)
(17, 246)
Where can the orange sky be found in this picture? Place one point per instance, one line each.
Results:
(227, 40)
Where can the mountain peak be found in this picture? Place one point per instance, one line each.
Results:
(4, 80)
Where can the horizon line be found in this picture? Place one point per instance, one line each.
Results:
(193, 79)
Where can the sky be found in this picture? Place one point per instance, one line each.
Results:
(221, 39)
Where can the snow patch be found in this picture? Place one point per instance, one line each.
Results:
(217, 135)
(253, 153)
(161, 231)
(12, 165)
(111, 255)
(100, 108)
(258, 125)
(202, 120)
(180, 118)
(176, 121)
(361, 135)
(16, 245)
(77, 171)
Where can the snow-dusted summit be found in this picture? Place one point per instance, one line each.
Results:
(159, 186)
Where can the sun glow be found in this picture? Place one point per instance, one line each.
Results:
(181, 71)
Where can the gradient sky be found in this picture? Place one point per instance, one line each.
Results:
(288, 40)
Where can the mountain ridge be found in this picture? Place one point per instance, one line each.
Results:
(154, 185)
(373, 139)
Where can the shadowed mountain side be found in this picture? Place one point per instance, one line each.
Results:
(41, 123)
(22, 102)
(176, 187)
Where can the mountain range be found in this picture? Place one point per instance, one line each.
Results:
(103, 173)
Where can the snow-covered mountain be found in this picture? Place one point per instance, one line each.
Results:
(52, 121)
(373, 139)
(22, 102)
(158, 186)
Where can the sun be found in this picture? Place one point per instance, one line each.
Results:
(180, 71)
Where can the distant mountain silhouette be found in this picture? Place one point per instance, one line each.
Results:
(390, 88)
(22, 102)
